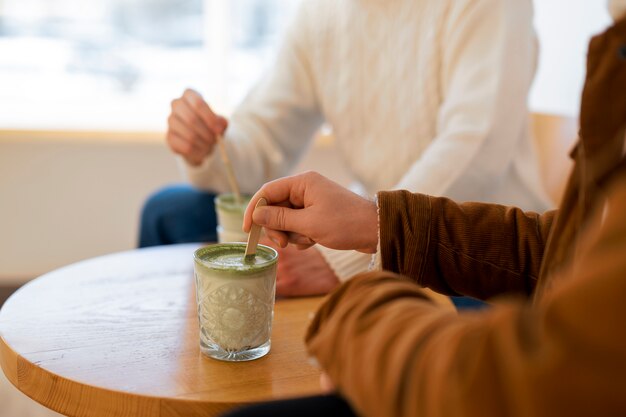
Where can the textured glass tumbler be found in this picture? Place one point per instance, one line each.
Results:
(235, 300)
(230, 218)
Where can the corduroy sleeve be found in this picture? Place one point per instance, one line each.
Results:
(475, 249)
(390, 351)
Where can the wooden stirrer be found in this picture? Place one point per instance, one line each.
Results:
(255, 234)
(229, 170)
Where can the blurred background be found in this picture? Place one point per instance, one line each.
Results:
(85, 90)
(116, 64)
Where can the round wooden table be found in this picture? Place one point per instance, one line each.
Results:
(118, 336)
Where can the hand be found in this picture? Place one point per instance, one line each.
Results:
(192, 127)
(326, 384)
(302, 273)
(308, 208)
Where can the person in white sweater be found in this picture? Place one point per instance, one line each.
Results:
(424, 95)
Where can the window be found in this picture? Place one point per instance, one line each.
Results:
(564, 28)
(117, 64)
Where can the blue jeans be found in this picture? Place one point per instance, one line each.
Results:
(468, 303)
(182, 214)
(178, 214)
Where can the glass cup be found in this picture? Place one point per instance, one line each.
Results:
(235, 300)
(230, 218)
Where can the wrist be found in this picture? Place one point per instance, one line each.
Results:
(371, 226)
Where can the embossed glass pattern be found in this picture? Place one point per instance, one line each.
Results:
(235, 301)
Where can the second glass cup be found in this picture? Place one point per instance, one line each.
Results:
(230, 218)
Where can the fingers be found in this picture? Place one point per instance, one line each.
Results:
(185, 115)
(288, 191)
(279, 238)
(196, 103)
(187, 149)
(300, 241)
(309, 209)
(192, 127)
(185, 131)
(282, 239)
(279, 218)
(265, 240)
(326, 384)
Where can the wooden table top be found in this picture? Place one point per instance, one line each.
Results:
(118, 336)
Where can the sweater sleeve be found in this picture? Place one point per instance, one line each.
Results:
(345, 263)
(489, 58)
(270, 130)
(475, 249)
(392, 352)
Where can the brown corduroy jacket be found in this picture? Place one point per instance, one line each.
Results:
(555, 343)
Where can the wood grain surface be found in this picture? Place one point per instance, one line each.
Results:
(118, 336)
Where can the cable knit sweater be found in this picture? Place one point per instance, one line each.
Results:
(423, 95)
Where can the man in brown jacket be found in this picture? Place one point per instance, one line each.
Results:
(554, 344)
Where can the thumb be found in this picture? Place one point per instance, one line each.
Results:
(277, 218)
(222, 124)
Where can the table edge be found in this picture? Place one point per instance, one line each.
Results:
(42, 385)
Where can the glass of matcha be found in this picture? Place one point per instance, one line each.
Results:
(235, 300)
(230, 217)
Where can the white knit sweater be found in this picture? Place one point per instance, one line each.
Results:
(424, 95)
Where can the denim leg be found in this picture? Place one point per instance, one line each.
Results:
(178, 214)
(468, 303)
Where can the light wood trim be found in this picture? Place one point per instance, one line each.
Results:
(323, 139)
(92, 135)
(554, 137)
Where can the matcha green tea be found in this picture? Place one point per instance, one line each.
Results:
(235, 300)
(230, 217)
